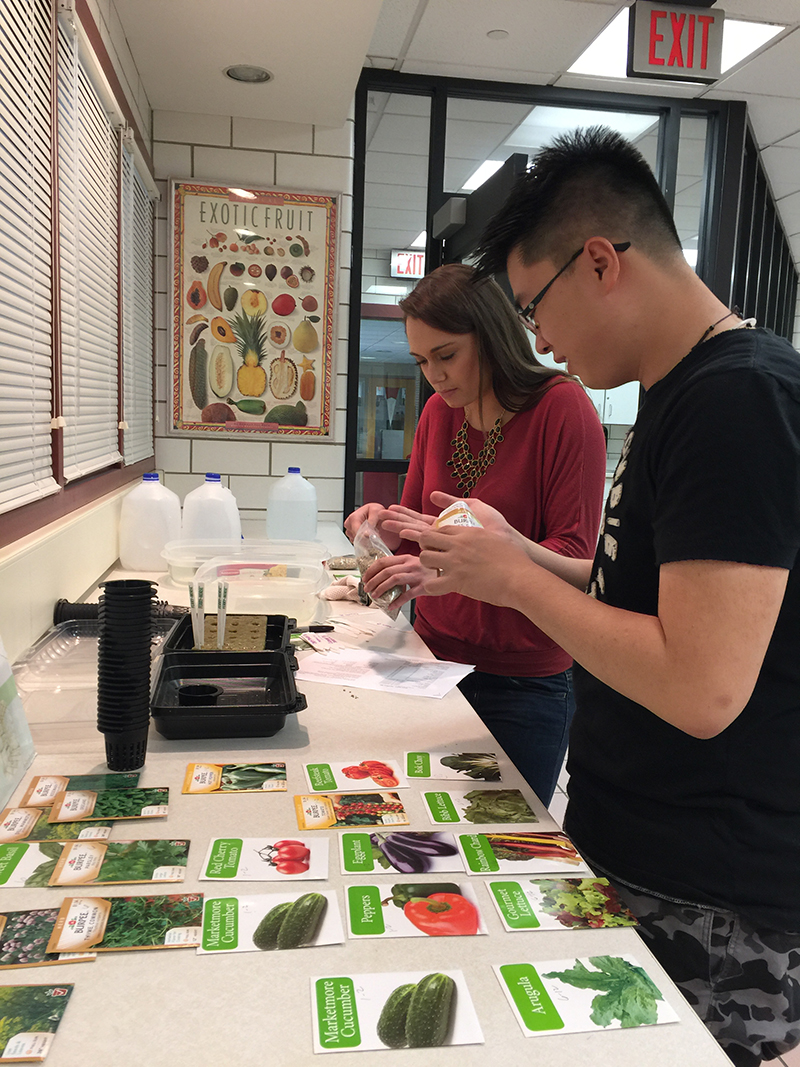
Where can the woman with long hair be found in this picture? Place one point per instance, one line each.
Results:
(526, 440)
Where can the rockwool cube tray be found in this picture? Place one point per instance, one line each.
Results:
(243, 634)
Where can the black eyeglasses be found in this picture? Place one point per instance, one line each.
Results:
(527, 313)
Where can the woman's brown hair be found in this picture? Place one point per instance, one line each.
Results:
(453, 298)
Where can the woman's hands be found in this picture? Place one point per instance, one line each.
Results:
(375, 515)
(384, 574)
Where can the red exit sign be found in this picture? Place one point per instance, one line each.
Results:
(672, 41)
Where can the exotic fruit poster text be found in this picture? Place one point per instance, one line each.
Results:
(252, 310)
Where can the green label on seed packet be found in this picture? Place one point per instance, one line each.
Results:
(366, 913)
(478, 854)
(441, 807)
(337, 1014)
(514, 905)
(221, 924)
(224, 860)
(10, 855)
(357, 853)
(321, 776)
(531, 999)
(418, 765)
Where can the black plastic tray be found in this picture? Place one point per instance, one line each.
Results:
(250, 694)
(278, 638)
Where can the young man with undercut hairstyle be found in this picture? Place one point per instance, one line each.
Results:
(684, 753)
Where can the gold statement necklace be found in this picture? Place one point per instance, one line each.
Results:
(468, 468)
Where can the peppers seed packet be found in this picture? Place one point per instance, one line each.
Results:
(32, 1013)
(270, 922)
(235, 778)
(44, 788)
(23, 940)
(341, 776)
(400, 852)
(579, 995)
(87, 805)
(496, 806)
(521, 853)
(555, 903)
(480, 766)
(33, 824)
(393, 1009)
(262, 859)
(342, 810)
(413, 909)
(103, 924)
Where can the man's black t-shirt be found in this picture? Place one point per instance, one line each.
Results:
(710, 471)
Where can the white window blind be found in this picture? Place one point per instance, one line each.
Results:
(88, 159)
(137, 313)
(25, 249)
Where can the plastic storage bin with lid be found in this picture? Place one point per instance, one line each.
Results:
(149, 519)
(210, 511)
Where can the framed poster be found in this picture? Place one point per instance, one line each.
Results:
(252, 310)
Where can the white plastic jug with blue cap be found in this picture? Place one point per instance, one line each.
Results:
(210, 511)
(292, 509)
(150, 517)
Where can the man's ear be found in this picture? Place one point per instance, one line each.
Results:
(603, 258)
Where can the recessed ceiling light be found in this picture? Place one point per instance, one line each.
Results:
(497, 35)
(242, 72)
(388, 290)
(420, 241)
(484, 171)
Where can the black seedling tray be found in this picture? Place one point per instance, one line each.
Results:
(224, 694)
(277, 639)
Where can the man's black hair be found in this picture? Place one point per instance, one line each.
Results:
(588, 183)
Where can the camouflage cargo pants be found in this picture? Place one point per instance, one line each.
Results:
(744, 983)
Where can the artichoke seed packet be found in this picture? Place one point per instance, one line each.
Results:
(265, 859)
(351, 774)
(44, 788)
(413, 909)
(479, 766)
(514, 853)
(86, 805)
(392, 1009)
(580, 995)
(235, 778)
(23, 940)
(342, 810)
(400, 852)
(269, 922)
(112, 924)
(483, 806)
(32, 1013)
(556, 903)
(33, 824)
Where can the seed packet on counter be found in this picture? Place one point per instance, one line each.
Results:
(120, 862)
(413, 909)
(579, 995)
(497, 806)
(23, 940)
(363, 1012)
(111, 924)
(271, 921)
(44, 788)
(33, 824)
(553, 903)
(235, 778)
(480, 766)
(342, 810)
(87, 805)
(262, 859)
(25, 1009)
(400, 852)
(336, 777)
(521, 853)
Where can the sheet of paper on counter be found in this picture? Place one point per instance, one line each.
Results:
(343, 775)
(230, 922)
(558, 903)
(520, 852)
(477, 766)
(265, 859)
(481, 806)
(447, 909)
(400, 852)
(363, 669)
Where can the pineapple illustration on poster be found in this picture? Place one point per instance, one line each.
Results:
(252, 308)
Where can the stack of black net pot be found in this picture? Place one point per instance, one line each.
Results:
(123, 671)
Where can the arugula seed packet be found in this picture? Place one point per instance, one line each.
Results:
(23, 940)
(33, 824)
(578, 995)
(363, 1012)
(480, 766)
(399, 852)
(413, 909)
(555, 903)
(44, 788)
(235, 778)
(516, 853)
(342, 810)
(103, 924)
(482, 806)
(86, 804)
(32, 1013)
(349, 774)
(262, 859)
(271, 922)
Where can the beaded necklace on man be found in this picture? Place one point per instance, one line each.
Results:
(468, 468)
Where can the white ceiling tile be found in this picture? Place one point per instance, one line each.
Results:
(401, 133)
(783, 167)
(769, 72)
(394, 21)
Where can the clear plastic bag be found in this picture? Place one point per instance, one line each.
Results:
(369, 546)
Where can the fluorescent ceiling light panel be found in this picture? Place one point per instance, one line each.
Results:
(388, 290)
(543, 123)
(484, 172)
(420, 241)
(607, 55)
